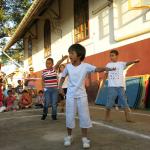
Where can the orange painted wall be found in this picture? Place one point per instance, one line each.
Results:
(39, 82)
(128, 52)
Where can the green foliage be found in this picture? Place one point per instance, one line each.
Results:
(4, 59)
(16, 9)
(11, 13)
(15, 53)
(1, 14)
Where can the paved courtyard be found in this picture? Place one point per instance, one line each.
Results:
(23, 130)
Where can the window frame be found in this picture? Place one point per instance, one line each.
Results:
(47, 38)
(86, 22)
(30, 50)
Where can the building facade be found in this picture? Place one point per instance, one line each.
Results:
(99, 25)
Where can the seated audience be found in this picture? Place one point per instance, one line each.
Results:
(10, 101)
(40, 100)
(16, 102)
(25, 100)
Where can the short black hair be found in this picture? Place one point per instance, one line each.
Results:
(31, 69)
(24, 91)
(114, 52)
(79, 49)
(50, 59)
(40, 91)
(9, 85)
(19, 81)
(9, 91)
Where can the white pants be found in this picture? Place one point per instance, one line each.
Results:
(72, 104)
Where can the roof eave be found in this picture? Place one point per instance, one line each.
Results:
(37, 4)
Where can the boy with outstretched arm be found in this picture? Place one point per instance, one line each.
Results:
(116, 84)
(76, 97)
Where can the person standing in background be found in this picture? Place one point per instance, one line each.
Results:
(62, 96)
(30, 82)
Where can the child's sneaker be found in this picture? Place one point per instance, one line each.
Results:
(3, 108)
(86, 142)
(117, 108)
(67, 141)
(43, 117)
(54, 117)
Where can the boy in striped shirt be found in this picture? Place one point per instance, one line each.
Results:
(50, 85)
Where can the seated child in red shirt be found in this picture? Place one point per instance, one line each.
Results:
(10, 100)
(26, 100)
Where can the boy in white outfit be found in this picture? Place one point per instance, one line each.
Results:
(116, 84)
(76, 93)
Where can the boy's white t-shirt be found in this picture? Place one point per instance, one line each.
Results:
(116, 78)
(76, 79)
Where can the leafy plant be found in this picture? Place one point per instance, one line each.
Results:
(11, 13)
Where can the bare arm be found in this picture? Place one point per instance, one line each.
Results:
(61, 82)
(42, 83)
(132, 62)
(60, 61)
(60, 85)
(102, 69)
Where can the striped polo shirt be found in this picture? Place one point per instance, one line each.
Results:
(50, 78)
